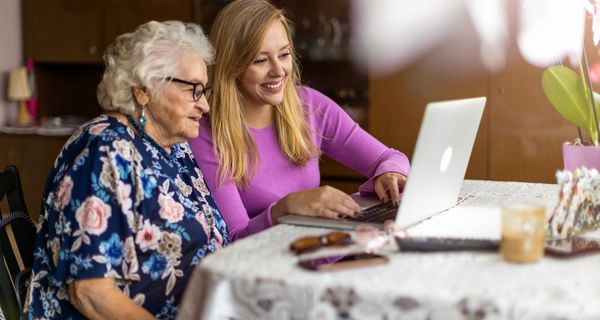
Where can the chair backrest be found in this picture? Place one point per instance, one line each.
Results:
(17, 241)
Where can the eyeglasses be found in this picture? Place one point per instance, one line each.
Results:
(312, 243)
(198, 88)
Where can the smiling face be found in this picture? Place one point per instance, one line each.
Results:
(263, 81)
(174, 117)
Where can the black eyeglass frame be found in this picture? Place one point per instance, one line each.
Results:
(206, 91)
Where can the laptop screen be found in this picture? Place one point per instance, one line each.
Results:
(440, 160)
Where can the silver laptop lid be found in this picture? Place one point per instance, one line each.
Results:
(440, 159)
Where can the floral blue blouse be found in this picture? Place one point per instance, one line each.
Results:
(118, 207)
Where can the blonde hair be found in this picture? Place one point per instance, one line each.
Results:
(144, 57)
(237, 35)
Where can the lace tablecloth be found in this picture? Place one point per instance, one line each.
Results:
(258, 278)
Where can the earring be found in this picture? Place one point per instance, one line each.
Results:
(143, 117)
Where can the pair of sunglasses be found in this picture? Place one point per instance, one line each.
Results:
(312, 243)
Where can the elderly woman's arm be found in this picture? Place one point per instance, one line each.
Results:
(100, 299)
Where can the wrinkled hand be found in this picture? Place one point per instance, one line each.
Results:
(325, 201)
(388, 186)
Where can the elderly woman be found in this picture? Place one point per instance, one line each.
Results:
(269, 131)
(127, 213)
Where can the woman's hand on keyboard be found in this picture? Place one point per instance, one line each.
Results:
(324, 201)
(388, 186)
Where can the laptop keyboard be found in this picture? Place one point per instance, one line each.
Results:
(377, 214)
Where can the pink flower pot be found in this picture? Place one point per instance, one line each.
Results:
(581, 156)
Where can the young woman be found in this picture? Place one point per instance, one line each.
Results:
(267, 132)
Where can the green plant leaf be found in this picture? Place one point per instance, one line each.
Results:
(594, 131)
(591, 106)
(564, 88)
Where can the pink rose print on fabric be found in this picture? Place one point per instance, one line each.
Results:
(170, 210)
(148, 237)
(98, 128)
(93, 215)
(63, 195)
(124, 196)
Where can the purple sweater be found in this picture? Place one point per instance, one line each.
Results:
(334, 133)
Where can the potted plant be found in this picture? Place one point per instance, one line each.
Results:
(571, 95)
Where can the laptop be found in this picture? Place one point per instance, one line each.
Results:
(438, 167)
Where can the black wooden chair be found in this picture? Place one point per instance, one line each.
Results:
(17, 241)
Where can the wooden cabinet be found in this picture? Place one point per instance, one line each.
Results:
(521, 134)
(34, 155)
(78, 31)
(525, 133)
(124, 15)
(398, 100)
(63, 30)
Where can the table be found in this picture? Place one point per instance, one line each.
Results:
(257, 278)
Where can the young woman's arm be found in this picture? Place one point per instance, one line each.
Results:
(346, 142)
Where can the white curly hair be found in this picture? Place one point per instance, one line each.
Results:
(144, 58)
